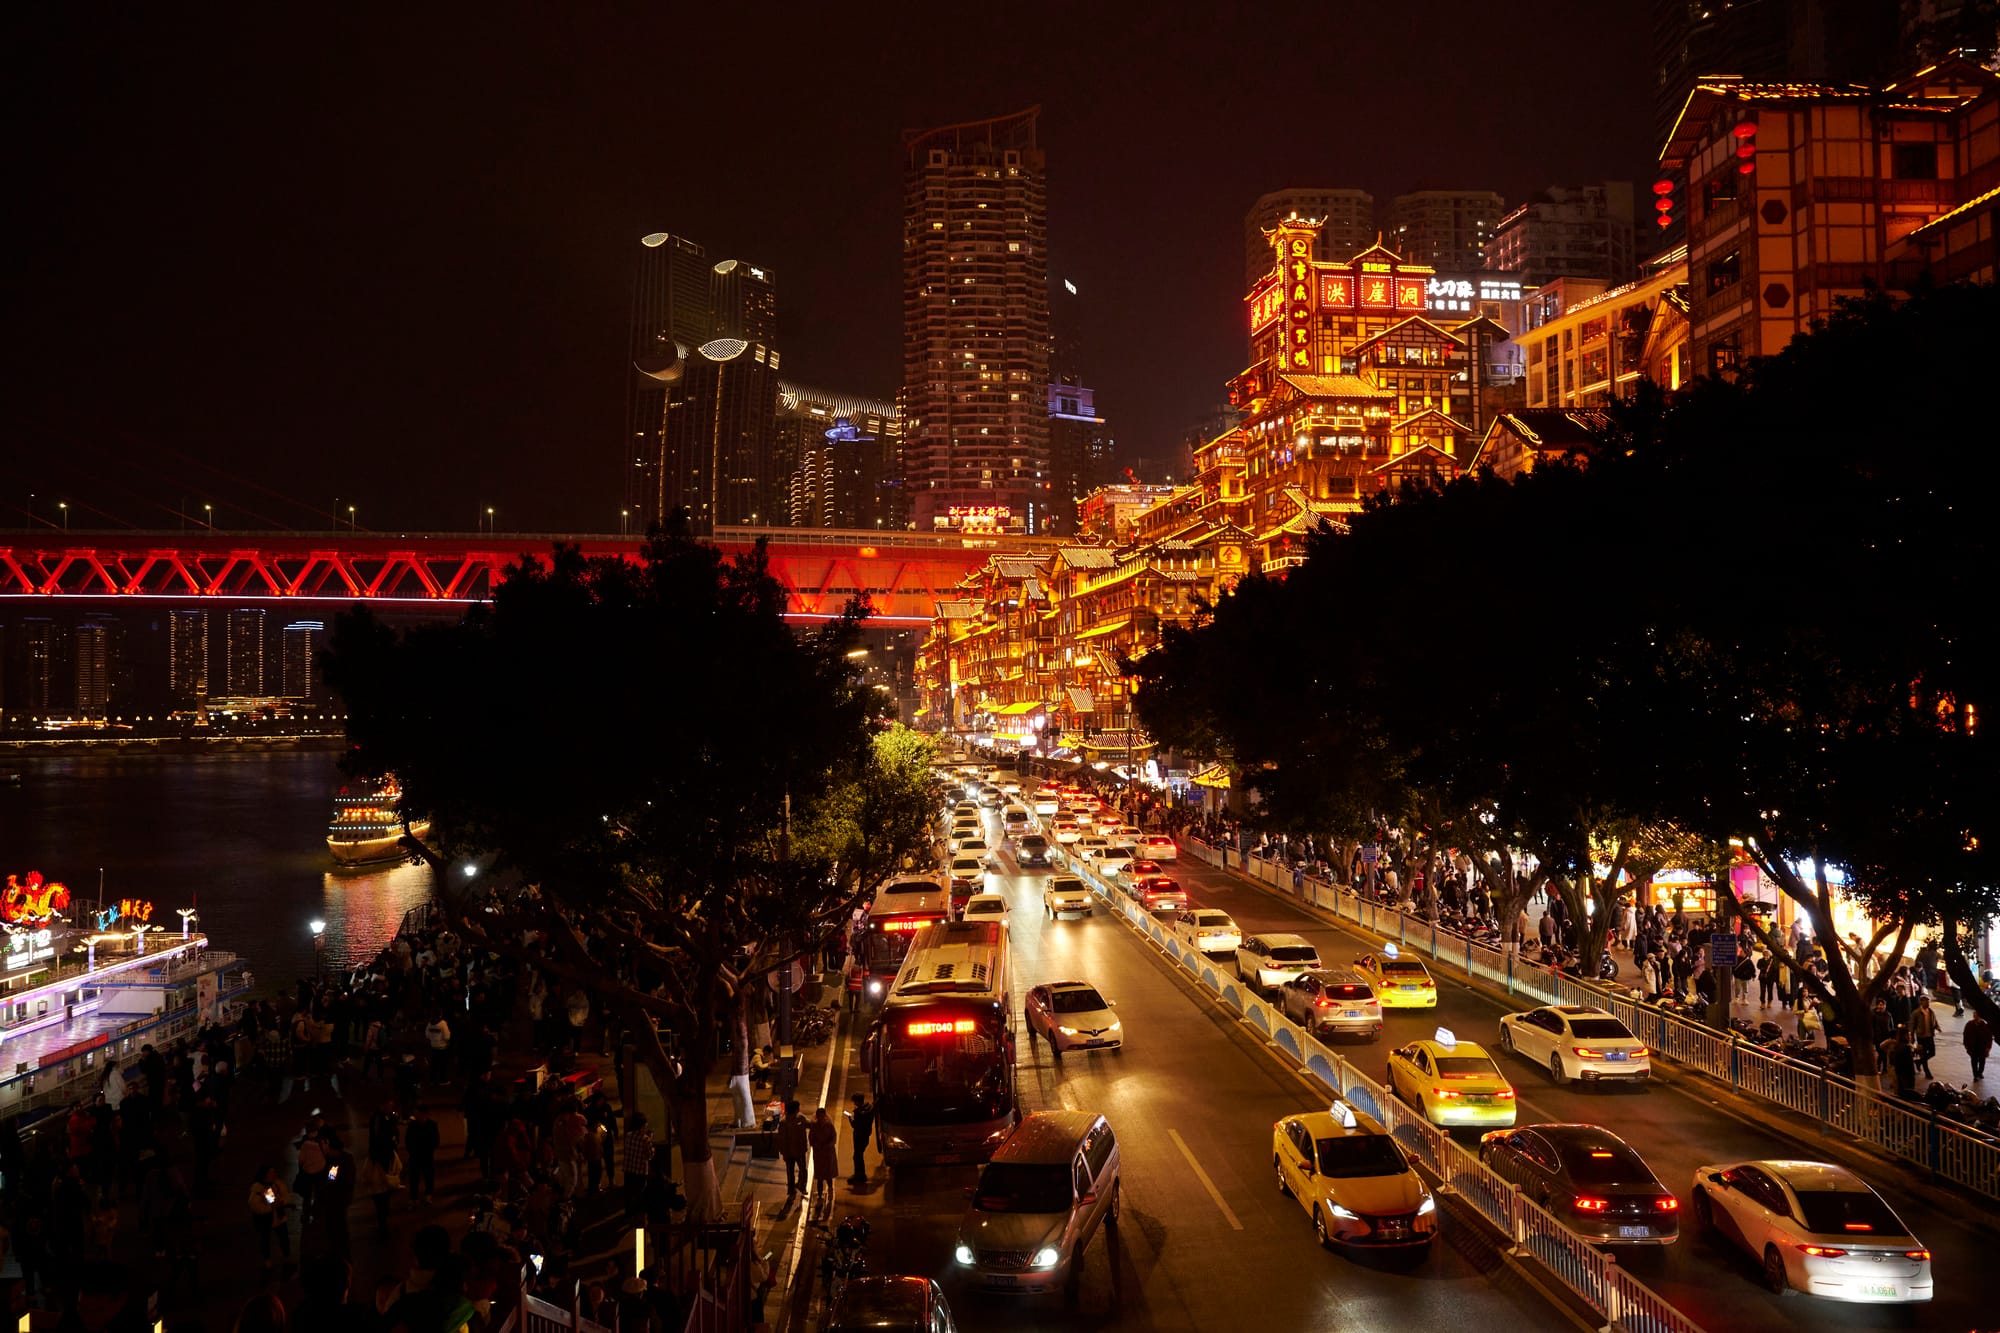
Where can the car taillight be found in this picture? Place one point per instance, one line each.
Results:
(1667, 1203)
(1322, 1003)
(1586, 1204)
(1916, 1254)
(1505, 1094)
(1586, 1053)
(1446, 1093)
(1821, 1251)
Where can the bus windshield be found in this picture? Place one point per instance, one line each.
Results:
(941, 1074)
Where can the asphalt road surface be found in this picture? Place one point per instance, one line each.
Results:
(1191, 1096)
(1675, 1128)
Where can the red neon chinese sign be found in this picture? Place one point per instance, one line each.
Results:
(1376, 291)
(1296, 350)
(1336, 291)
(942, 1027)
(980, 511)
(1267, 303)
(1410, 294)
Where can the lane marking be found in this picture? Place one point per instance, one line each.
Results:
(1207, 1184)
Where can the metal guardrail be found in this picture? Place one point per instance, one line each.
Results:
(1950, 1151)
(1626, 1304)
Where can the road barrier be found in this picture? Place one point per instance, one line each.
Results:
(1917, 1134)
(1626, 1304)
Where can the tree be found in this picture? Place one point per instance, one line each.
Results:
(691, 793)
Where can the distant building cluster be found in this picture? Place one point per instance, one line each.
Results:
(1370, 372)
(100, 666)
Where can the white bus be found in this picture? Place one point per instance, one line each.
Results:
(941, 1053)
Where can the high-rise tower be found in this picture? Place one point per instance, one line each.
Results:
(975, 325)
(671, 315)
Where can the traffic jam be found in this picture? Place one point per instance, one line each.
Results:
(931, 986)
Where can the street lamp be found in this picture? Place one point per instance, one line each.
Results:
(64, 506)
(209, 510)
(624, 522)
(350, 518)
(318, 929)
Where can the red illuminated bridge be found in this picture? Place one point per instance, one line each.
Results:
(901, 573)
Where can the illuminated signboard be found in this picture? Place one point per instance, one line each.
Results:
(28, 947)
(1377, 290)
(1410, 295)
(979, 511)
(1336, 291)
(1299, 302)
(34, 903)
(1463, 295)
(1267, 304)
(925, 1028)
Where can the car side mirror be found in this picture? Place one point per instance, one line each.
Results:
(1715, 1178)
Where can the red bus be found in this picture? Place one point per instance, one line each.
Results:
(902, 907)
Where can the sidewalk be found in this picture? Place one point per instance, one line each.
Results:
(1950, 1065)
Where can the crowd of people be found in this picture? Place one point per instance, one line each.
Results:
(124, 1199)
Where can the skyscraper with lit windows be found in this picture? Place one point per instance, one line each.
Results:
(976, 325)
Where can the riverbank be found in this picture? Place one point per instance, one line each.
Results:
(69, 747)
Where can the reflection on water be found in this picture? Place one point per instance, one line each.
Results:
(240, 836)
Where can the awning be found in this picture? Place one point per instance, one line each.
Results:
(1215, 775)
(1111, 627)
(1080, 700)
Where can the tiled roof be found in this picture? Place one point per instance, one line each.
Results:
(1414, 324)
(958, 610)
(1088, 557)
(1335, 386)
(1972, 205)
(1015, 567)
(1415, 417)
(1553, 427)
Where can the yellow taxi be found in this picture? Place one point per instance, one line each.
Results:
(1400, 982)
(1454, 1082)
(1353, 1178)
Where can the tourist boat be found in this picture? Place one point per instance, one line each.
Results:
(367, 828)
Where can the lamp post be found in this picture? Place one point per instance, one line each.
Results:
(318, 929)
(209, 512)
(63, 505)
(350, 518)
(624, 523)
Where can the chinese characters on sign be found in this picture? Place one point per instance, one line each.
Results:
(1336, 291)
(1299, 299)
(1266, 305)
(979, 511)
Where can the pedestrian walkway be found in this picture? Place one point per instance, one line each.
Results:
(1950, 1065)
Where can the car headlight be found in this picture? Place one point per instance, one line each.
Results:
(965, 1254)
(1117, 1026)
(999, 1134)
(1067, 1032)
(1429, 1205)
(874, 988)
(1343, 1213)
(1046, 1256)
(893, 1141)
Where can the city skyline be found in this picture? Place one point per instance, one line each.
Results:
(398, 299)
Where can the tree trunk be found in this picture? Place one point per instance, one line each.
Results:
(1959, 967)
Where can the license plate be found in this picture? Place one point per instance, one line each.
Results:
(1351, 1013)
(1879, 1289)
(1477, 1099)
(1409, 988)
(1395, 1231)
(1635, 1231)
(1615, 1055)
(949, 1157)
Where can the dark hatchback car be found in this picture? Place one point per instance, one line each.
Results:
(1588, 1177)
(891, 1305)
(1031, 851)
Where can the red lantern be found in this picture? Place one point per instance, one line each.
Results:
(1665, 220)
(1746, 129)
(1745, 168)
(1746, 150)
(1663, 187)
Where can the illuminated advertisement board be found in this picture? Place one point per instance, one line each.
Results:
(1267, 305)
(1336, 291)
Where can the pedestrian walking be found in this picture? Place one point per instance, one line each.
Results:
(1978, 1038)
(437, 1036)
(1900, 1065)
(270, 1202)
(861, 1123)
(794, 1140)
(1923, 1032)
(824, 1136)
(1743, 974)
(420, 1142)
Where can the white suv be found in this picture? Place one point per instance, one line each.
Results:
(1269, 961)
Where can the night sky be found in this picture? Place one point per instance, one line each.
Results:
(267, 256)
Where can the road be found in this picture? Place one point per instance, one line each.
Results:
(1675, 1127)
(1180, 1259)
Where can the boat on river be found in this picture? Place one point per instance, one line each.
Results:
(367, 826)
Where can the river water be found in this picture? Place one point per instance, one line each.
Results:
(240, 837)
